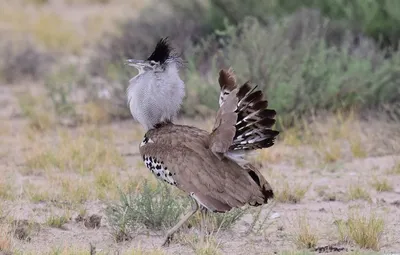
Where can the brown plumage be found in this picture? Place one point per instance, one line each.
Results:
(218, 185)
(211, 167)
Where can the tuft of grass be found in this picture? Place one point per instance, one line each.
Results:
(219, 221)
(292, 193)
(357, 147)
(306, 236)
(381, 185)
(56, 221)
(153, 206)
(330, 150)
(75, 191)
(358, 192)
(209, 246)
(364, 231)
(36, 195)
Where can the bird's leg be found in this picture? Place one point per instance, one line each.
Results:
(204, 228)
(186, 217)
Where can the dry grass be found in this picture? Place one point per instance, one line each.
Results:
(55, 33)
(364, 230)
(326, 192)
(201, 245)
(56, 221)
(305, 237)
(358, 192)
(381, 185)
(37, 113)
(290, 193)
(83, 153)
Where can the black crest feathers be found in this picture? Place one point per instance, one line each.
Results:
(162, 51)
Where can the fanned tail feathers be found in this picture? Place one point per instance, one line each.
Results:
(254, 121)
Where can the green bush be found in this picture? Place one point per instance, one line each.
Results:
(155, 208)
(379, 19)
(300, 72)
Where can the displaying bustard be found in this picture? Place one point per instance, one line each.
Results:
(209, 167)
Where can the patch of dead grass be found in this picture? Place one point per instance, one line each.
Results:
(57, 221)
(291, 193)
(38, 114)
(358, 192)
(364, 230)
(305, 236)
(381, 185)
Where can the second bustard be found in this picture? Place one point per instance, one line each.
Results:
(209, 166)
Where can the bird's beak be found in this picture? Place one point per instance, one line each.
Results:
(135, 63)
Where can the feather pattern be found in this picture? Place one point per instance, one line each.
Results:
(253, 123)
(218, 185)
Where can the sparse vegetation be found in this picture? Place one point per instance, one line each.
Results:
(34, 109)
(364, 230)
(82, 154)
(23, 61)
(305, 236)
(357, 191)
(154, 207)
(56, 221)
(326, 193)
(381, 185)
(291, 193)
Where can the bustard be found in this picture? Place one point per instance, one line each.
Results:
(209, 167)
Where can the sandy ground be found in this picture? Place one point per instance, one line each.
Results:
(283, 163)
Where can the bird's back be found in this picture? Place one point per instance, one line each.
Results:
(181, 155)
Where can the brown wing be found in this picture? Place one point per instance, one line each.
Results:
(242, 121)
(219, 185)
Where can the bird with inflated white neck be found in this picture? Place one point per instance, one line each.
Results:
(209, 166)
(155, 94)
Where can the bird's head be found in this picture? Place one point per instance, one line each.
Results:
(159, 60)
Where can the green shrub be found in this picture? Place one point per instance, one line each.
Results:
(300, 72)
(376, 18)
(153, 207)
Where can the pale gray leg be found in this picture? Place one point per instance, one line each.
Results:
(185, 218)
(204, 227)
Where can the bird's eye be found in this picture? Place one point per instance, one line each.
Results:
(152, 63)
